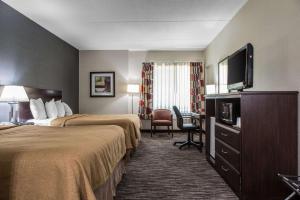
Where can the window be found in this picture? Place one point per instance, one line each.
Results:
(171, 86)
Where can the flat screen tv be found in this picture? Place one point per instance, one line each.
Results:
(240, 69)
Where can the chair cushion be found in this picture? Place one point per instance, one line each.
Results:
(189, 126)
(162, 122)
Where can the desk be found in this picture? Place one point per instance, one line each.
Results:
(198, 119)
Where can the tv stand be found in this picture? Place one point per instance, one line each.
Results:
(250, 157)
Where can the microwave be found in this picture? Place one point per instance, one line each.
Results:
(228, 112)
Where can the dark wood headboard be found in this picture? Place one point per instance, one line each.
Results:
(35, 93)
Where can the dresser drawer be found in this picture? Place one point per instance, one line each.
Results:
(231, 176)
(230, 155)
(229, 136)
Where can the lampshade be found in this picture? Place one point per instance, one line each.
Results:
(13, 94)
(133, 88)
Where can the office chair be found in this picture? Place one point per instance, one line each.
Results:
(186, 127)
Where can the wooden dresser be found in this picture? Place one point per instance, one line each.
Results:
(249, 158)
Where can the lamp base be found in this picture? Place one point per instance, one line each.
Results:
(13, 114)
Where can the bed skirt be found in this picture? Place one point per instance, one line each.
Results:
(108, 190)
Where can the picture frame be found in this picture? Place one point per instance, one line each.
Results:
(102, 84)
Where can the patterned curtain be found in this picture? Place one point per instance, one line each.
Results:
(145, 107)
(197, 87)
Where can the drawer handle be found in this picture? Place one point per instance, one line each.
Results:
(224, 134)
(224, 169)
(223, 151)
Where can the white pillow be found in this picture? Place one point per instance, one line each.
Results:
(51, 109)
(60, 108)
(37, 108)
(67, 109)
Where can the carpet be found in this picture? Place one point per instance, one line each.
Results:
(159, 170)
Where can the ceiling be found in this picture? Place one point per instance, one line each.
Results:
(132, 24)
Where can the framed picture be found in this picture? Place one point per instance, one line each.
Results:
(102, 84)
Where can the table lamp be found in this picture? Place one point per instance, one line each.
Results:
(133, 89)
(12, 95)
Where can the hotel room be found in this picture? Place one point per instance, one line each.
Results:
(146, 100)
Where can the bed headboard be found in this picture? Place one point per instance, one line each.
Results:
(35, 93)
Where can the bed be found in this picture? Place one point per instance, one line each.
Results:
(72, 163)
(130, 123)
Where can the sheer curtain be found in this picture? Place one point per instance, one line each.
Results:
(171, 86)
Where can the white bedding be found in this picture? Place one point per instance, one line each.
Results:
(41, 122)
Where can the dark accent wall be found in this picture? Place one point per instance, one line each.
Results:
(32, 56)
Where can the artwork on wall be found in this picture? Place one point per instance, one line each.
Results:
(102, 84)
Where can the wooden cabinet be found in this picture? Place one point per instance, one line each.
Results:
(249, 158)
(228, 153)
(228, 135)
(231, 176)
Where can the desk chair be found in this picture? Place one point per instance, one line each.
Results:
(186, 127)
(161, 117)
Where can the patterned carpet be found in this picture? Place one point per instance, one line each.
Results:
(159, 170)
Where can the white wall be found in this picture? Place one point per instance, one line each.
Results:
(116, 61)
(273, 27)
(128, 66)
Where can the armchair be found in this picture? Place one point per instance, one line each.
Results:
(161, 117)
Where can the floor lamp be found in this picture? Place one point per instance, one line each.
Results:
(133, 89)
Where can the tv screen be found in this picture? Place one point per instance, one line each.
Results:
(240, 69)
(237, 68)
